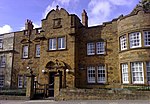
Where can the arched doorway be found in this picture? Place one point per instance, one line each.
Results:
(56, 67)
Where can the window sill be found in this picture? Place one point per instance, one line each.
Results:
(56, 50)
(134, 49)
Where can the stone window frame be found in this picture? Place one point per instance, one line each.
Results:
(136, 72)
(57, 23)
(91, 48)
(93, 72)
(148, 71)
(123, 42)
(62, 44)
(125, 73)
(22, 81)
(101, 70)
(146, 35)
(25, 56)
(135, 39)
(56, 44)
(101, 48)
(37, 53)
(2, 81)
(2, 61)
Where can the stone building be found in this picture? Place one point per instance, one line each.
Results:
(6, 59)
(115, 54)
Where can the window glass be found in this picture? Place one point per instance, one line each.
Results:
(123, 42)
(125, 73)
(25, 51)
(3, 61)
(148, 71)
(147, 38)
(37, 50)
(1, 81)
(20, 81)
(91, 74)
(61, 43)
(100, 47)
(52, 44)
(135, 40)
(137, 72)
(101, 76)
(90, 48)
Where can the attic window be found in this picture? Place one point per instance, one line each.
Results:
(57, 23)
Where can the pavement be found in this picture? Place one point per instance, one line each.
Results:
(75, 102)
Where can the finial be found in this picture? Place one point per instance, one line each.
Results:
(57, 7)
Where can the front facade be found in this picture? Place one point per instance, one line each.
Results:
(115, 54)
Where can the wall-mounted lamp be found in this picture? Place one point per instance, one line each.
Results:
(43, 71)
(67, 70)
(29, 68)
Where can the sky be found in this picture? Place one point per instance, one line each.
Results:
(14, 13)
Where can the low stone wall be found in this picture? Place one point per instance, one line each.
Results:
(100, 94)
(11, 97)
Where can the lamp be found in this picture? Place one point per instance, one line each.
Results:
(43, 71)
(67, 70)
(29, 68)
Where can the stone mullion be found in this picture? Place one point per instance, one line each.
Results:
(129, 73)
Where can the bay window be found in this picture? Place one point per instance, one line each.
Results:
(137, 72)
(135, 40)
(125, 73)
(146, 38)
(123, 42)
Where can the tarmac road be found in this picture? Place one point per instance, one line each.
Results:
(75, 102)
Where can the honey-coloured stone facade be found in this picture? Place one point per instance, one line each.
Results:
(64, 40)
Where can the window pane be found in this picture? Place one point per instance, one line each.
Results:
(147, 38)
(1, 81)
(61, 43)
(2, 61)
(52, 44)
(38, 50)
(137, 73)
(20, 81)
(100, 47)
(91, 74)
(101, 77)
(135, 40)
(123, 42)
(25, 52)
(148, 71)
(90, 49)
(125, 73)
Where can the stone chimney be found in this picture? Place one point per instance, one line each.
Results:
(84, 18)
(28, 25)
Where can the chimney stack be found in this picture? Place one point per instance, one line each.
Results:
(28, 25)
(84, 18)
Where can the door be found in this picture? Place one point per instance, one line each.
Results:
(51, 84)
